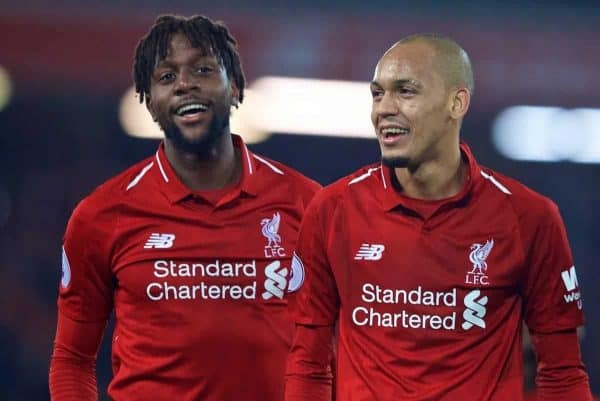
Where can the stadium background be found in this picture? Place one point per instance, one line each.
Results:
(65, 67)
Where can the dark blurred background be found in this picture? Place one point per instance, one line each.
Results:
(68, 63)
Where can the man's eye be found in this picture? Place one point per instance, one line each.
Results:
(167, 76)
(376, 94)
(204, 69)
(407, 91)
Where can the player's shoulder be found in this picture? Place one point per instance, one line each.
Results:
(358, 183)
(105, 199)
(524, 200)
(283, 173)
(361, 180)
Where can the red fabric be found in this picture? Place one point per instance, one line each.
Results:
(561, 374)
(431, 307)
(214, 196)
(198, 290)
(307, 377)
(533, 396)
(73, 362)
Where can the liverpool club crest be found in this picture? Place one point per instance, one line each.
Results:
(270, 228)
(477, 257)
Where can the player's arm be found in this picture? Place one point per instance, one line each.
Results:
(73, 361)
(84, 303)
(561, 374)
(314, 308)
(552, 310)
(309, 374)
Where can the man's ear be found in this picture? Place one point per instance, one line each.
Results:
(235, 95)
(459, 102)
(150, 107)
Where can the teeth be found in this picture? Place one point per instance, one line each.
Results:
(191, 107)
(394, 131)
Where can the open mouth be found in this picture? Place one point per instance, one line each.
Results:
(191, 109)
(391, 134)
(191, 113)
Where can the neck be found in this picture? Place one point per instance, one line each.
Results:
(218, 168)
(438, 178)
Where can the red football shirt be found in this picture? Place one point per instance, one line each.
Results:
(430, 296)
(197, 289)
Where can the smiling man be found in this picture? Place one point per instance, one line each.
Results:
(190, 248)
(428, 262)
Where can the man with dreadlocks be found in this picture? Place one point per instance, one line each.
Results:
(191, 247)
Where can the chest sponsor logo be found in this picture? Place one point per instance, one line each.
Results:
(159, 241)
(477, 256)
(569, 278)
(198, 277)
(215, 280)
(369, 252)
(474, 310)
(270, 230)
(445, 311)
(276, 280)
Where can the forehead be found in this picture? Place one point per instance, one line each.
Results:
(179, 44)
(411, 61)
(179, 41)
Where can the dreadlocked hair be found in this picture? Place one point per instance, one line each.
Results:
(203, 33)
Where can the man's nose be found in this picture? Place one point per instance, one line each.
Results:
(185, 82)
(387, 106)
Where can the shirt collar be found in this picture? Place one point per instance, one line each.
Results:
(392, 198)
(176, 191)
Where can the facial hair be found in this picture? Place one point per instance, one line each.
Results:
(395, 162)
(203, 145)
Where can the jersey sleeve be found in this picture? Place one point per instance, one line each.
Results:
(84, 304)
(86, 287)
(552, 298)
(72, 375)
(314, 308)
(316, 301)
(560, 374)
(309, 373)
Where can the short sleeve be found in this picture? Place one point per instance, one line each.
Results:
(552, 297)
(85, 289)
(316, 301)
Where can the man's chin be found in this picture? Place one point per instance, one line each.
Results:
(395, 161)
(196, 142)
(194, 138)
(200, 139)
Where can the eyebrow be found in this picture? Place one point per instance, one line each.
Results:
(166, 63)
(401, 82)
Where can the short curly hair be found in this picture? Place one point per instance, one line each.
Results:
(203, 33)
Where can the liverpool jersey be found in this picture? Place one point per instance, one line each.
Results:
(430, 295)
(198, 289)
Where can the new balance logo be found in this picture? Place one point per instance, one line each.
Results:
(276, 281)
(160, 241)
(369, 252)
(475, 310)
